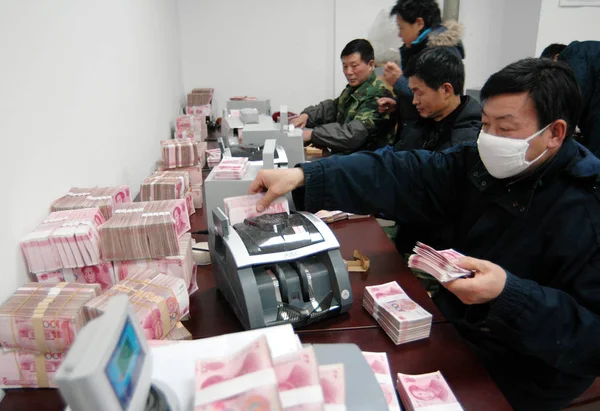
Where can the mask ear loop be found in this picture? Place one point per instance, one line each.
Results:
(539, 133)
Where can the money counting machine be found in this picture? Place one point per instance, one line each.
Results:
(109, 366)
(279, 268)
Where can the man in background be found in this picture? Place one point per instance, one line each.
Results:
(584, 59)
(352, 121)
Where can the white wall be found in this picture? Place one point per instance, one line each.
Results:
(565, 24)
(277, 49)
(87, 91)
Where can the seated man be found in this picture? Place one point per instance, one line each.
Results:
(525, 201)
(584, 59)
(447, 118)
(351, 122)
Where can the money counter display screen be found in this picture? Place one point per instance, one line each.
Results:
(125, 364)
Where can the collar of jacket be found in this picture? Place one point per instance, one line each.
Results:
(358, 92)
(572, 159)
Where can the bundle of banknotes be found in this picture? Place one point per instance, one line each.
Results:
(197, 198)
(231, 168)
(251, 379)
(158, 300)
(165, 185)
(144, 230)
(189, 201)
(178, 266)
(45, 317)
(103, 274)
(440, 264)
(243, 98)
(378, 361)
(239, 208)
(333, 216)
(201, 110)
(179, 153)
(213, 157)
(191, 126)
(200, 96)
(194, 172)
(426, 392)
(65, 239)
(29, 369)
(104, 198)
(401, 318)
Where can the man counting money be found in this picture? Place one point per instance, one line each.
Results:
(524, 202)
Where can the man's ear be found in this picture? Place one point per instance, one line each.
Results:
(559, 132)
(372, 65)
(420, 23)
(447, 89)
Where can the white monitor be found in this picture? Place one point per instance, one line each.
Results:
(108, 368)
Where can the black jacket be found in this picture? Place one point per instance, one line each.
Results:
(540, 339)
(460, 126)
(584, 59)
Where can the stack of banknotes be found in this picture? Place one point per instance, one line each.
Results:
(165, 185)
(179, 153)
(103, 274)
(191, 126)
(231, 168)
(144, 230)
(251, 379)
(427, 392)
(38, 324)
(333, 216)
(194, 172)
(239, 208)
(104, 198)
(440, 264)
(200, 96)
(213, 157)
(378, 362)
(401, 318)
(158, 300)
(65, 239)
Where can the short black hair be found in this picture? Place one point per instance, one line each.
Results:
(551, 85)
(362, 47)
(436, 66)
(552, 50)
(411, 10)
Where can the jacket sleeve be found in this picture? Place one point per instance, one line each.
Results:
(551, 324)
(323, 113)
(407, 186)
(367, 122)
(401, 89)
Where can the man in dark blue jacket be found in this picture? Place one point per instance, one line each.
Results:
(584, 59)
(525, 202)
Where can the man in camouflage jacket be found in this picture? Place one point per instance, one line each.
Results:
(351, 122)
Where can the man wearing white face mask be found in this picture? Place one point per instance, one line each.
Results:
(524, 202)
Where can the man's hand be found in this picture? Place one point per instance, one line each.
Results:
(485, 286)
(386, 105)
(391, 73)
(276, 183)
(307, 136)
(300, 121)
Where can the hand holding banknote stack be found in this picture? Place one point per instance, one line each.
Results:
(159, 301)
(65, 239)
(251, 379)
(239, 208)
(426, 392)
(105, 198)
(401, 318)
(378, 362)
(440, 264)
(231, 168)
(144, 230)
(179, 153)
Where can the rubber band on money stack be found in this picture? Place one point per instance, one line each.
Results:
(159, 301)
(144, 230)
(38, 324)
(179, 266)
(105, 198)
(179, 153)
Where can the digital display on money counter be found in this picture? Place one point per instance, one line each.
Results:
(125, 364)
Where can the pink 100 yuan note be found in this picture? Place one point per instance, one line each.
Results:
(427, 390)
(333, 384)
(298, 380)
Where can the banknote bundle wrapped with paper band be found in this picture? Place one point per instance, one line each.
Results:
(378, 362)
(65, 239)
(426, 392)
(401, 318)
(165, 185)
(144, 230)
(191, 126)
(179, 153)
(105, 198)
(231, 168)
(178, 266)
(159, 301)
(103, 274)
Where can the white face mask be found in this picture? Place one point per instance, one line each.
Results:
(504, 157)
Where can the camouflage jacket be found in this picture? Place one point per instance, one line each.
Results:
(351, 122)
